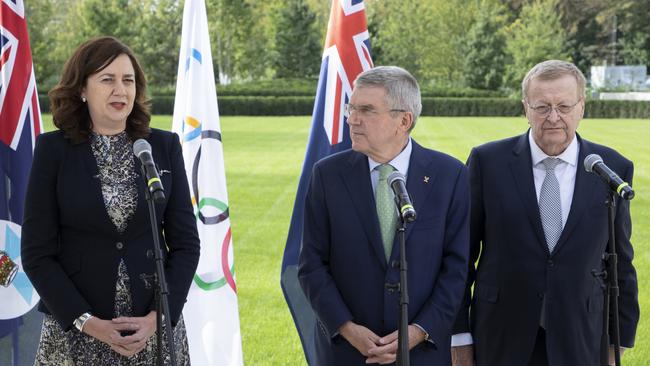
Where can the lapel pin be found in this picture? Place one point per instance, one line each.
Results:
(426, 179)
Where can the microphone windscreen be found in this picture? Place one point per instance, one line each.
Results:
(140, 146)
(591, 160)
(392, 177)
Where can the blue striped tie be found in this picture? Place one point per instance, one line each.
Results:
(550, 205)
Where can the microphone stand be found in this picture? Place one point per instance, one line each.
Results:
(610, 288)
(402, 332)
(161, 290)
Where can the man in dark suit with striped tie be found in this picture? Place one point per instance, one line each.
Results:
(539, 223)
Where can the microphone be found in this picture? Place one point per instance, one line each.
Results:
(142, 150)
(398, 183)
(594, 164)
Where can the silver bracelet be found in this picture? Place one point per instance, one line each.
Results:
(81, 321)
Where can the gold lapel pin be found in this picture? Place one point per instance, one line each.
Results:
(426, 179)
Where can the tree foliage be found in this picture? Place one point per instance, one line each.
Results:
(425, 38)
(537, 35)
(444, 43)
(485, 47)
(297, 43)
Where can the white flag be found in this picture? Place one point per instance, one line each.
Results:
(210, 314)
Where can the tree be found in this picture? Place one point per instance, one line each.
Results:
(297, 43)
(426, 38)
(157, 42)
(485, 54)
(239, 38)
(44, 18)
(633, 31)
(537, 35)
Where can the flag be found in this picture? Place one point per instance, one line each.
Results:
(346, 55)
(20, 123)
(210, 314)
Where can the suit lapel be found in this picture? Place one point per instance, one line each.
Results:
(582, 195)
(522, 172)
(419, 181)
(357, 181)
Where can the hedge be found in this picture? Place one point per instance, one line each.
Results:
(303, 105)
(307, 88)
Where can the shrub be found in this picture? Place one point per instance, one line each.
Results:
(431, 106)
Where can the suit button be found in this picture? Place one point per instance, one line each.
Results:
(550, 263)
(149, 254)
(540, 295)
(119, 245)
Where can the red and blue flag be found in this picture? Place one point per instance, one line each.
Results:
(346, 55)
(20, 123)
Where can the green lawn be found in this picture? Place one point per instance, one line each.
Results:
(263, 157)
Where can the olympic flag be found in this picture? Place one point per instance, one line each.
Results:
(211, 314)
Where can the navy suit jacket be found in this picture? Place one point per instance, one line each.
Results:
(70, 247)
(517, 277)
(343, 269)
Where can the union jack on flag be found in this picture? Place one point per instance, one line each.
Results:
(20, 123)
(346, 55)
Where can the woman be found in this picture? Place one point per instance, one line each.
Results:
(86, 237)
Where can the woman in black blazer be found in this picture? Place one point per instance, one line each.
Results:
(86, 237)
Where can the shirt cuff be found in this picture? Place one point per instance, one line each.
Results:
(461, 339)
(426, 334)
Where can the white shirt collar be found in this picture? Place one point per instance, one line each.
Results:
(400, 162)
(569, 155)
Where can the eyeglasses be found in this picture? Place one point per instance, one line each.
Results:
(545, 109)
(365, 111)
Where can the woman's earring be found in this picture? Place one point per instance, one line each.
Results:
(83, 99)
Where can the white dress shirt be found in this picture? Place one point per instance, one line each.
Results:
(400, 163)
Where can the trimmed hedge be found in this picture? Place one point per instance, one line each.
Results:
(307, 88)
(617, 109)
(471, 107)
(303, 105)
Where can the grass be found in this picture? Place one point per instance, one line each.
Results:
(263, 157)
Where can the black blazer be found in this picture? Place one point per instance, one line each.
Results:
(516, 275)
(70, 247)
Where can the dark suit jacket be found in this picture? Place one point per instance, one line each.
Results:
(516, 275)
(343, 269)
(70, 247)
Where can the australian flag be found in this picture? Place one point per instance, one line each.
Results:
(346, 55)
(20, 123)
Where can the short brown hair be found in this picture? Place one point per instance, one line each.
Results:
(70, 114)
(552, 70)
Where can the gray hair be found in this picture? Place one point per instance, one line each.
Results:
(552, 70)
(402, 90)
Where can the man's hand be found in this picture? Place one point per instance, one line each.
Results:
(612, 360)
(359, 337)
(462, 355)
(144, 328)
(386, 351)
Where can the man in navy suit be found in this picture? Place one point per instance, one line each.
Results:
(539, 222)
(348, 264)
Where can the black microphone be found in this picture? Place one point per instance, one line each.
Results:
(142, 150)
(594, 164)
(398, 183)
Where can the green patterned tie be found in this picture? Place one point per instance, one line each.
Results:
(386, 210)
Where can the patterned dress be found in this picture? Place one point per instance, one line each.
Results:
(114, 156)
